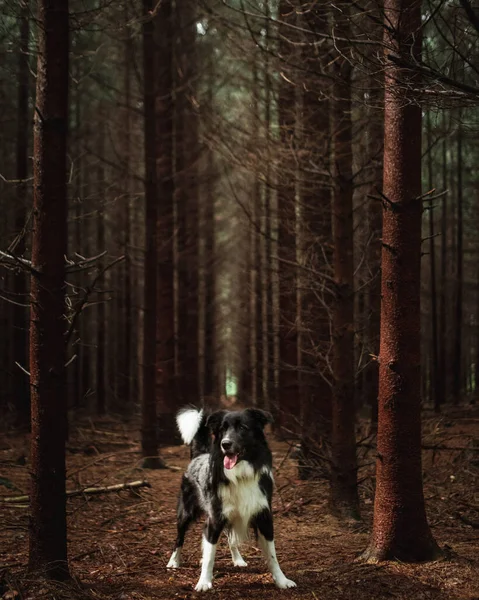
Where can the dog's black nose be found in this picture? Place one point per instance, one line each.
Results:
(226, 445)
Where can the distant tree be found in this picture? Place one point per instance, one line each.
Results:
(187, 199)
(164, 114)
(344, 490)
(48, 540)
(149, 425)
(400, 528)
(288, 390)
(20, 342)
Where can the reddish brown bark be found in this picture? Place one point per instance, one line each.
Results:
(344, 492)
(48, 542)
(400, 528)
(20, 346)
(288, 391)
(149, 424)
(165, 353)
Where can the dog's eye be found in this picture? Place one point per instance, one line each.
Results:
(243, 427)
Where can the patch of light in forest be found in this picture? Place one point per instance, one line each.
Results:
(231, 384)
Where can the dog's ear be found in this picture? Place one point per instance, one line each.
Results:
(262, 417)
(213, 422)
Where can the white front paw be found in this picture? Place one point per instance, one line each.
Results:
(283, 583)
(203, 585)
(240, 562)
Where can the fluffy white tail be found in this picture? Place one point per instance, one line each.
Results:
(189, 421)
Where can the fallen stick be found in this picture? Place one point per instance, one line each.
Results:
(117, 487)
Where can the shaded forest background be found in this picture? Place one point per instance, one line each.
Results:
(245, 247)
(229, 165)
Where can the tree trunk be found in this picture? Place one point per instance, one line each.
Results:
(457, 361)
(210, 378)
(186, 180)
(434, 380)
(400, 528)
(344, 491)
(443, 307)
(100, 247)
(20, 340)
(165, 353)
(288, 389)
(149, 425)
(48, 541)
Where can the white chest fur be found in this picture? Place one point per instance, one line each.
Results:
(242, 498)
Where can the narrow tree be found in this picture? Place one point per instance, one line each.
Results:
(20, 349)
(288, 390)
(48, 541)
(400, 528)
(149, 438)
(165, 349)
(344, 492)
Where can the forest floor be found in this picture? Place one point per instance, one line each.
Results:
(119, 543)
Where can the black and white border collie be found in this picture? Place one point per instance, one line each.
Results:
(229, 479)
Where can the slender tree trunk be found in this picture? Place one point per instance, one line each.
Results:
(344, 491)
(149, 424)
(100, 247)
(187, 202)
(165, 356)
(124, 359)
(400, 528)
(210, 378)
(442, 371)
(375, 152)
(48, 540)
(434, 381)
(457, 364)
(314, 241)
(288, 391)
(20, 327)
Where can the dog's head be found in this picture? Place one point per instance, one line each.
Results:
(238, 433)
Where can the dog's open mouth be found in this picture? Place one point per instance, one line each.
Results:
(230, 460)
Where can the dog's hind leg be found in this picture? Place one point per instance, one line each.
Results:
(264, 526)
(210, 539)
(238, 560)
(175, 558)
(188, 511)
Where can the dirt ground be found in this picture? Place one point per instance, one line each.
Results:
(119, 543)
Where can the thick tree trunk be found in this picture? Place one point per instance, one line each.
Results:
(20, 319)
(149, 424)
(48, 541)
(400, 528)
(344, 491)
(165, 333)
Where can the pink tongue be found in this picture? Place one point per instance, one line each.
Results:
(230, 461)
